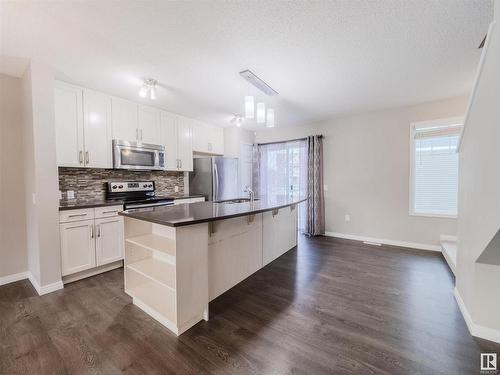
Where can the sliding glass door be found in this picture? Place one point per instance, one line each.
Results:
(283, 172)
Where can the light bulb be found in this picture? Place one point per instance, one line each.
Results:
(152, 93)
(261, 113)
(143, 92)
(270, 118)
(249, 106)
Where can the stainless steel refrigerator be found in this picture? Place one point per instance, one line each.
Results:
(215, 177)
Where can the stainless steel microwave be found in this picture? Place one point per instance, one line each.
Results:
(138, 155)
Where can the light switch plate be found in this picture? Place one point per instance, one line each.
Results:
(176, 188)
(70, 194)
(347, 218)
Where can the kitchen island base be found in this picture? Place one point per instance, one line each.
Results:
(172, 273)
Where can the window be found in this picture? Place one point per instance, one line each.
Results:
(434, 167)
(283, 172)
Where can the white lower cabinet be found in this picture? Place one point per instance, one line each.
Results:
(77, 246)
(93, 241)
(109, 241)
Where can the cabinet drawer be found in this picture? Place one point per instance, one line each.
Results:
(107, 211)
(76, 215)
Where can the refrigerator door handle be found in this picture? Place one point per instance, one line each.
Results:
(216, 182)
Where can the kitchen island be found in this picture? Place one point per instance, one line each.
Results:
(179, 258)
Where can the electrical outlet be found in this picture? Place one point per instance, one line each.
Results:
(176, 188)
(70, 194)
(347, 217)
(60, 194)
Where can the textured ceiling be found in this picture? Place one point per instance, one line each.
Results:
(325, 58)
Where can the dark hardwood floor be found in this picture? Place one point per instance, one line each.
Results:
(330, 306)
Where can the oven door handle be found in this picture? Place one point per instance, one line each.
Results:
(145, 205)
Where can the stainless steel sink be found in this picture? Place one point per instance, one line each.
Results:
(238, 200)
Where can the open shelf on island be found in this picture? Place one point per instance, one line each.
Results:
(154, 242)
(156, 270)
(155, 299)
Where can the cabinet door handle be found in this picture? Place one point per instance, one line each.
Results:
(98, 230)
(109, 212)
(180, 163)
(87, 157)
(140, 131)
(92, 231)
(80, 157)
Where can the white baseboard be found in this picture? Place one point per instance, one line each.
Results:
(49, 288)
(14, 277)
(475, 329)
(412, 245)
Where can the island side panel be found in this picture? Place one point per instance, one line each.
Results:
(191, 274)
(234, 252)
(279, 232)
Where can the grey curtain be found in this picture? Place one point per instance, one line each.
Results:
(315, 224)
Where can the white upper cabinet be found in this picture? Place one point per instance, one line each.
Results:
(149, 119)
(185, 145)
(69, 124)
(97, 129)
(176, 135)
(208, 139)
(169, 140)
(125, 119)
(216, 140)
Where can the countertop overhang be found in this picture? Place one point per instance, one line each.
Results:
(204, 212)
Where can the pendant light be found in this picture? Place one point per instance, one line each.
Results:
(261, 112)
(249, 107)
(270, 118)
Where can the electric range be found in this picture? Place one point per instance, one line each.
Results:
(136, 194)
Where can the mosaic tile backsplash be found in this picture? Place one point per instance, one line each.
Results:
(90, 184)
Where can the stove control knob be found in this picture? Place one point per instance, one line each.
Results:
(145, 186)
(120, 187)
(150, 185)
(114, 187)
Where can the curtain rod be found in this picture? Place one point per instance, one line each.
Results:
(289, 140)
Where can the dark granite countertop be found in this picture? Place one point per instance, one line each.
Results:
(77, 204)
(203, 212)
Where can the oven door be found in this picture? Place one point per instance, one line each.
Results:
(130, 155)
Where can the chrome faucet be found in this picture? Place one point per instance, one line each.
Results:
(250, 192)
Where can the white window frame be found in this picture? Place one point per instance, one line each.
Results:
(420, 125)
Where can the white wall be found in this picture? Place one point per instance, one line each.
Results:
(40, 167)
(479, 195)
(13, 252)
(366, 166)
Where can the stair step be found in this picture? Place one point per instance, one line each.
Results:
(449, 250)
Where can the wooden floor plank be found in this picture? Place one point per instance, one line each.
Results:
(328, 306)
